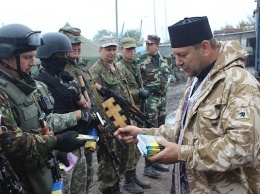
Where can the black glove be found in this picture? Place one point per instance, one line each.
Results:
(62, 157)
(75, 90)
(86, 116)
(144, 94)
(67, 142)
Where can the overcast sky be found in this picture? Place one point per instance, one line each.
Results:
(94, 15)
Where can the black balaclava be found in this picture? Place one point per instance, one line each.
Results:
(54, 65)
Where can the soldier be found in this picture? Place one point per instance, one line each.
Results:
(24, 147)
(217, 126)
(131, 72)
(53, 56)
(155, 72)
(78, 69)
(108, 75)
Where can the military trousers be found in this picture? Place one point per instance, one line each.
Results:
(75, 180)
(156, 105)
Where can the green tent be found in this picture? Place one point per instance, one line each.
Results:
(89, 51)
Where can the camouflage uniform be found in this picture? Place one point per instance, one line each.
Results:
(220, 146)
(35, 147)
(112, 79)
(155, 76)
(76, 67)
(132, 74)
(74, 178)
(79, 68)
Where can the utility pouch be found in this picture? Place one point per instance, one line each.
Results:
(45, 104)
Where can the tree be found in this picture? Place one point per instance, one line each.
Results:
(228, 26)
(249, 24)
(135, 34)
(101, 33)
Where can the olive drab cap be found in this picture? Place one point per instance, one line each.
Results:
(72, 33)
(106, 41)
(153, 39)
(190, 31)
(128, 42)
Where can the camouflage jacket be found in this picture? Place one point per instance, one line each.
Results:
(154, 75)
(221, 136)
(23, 143)
(34, 145)
(133, 76)
(77, 69)
(110, 79)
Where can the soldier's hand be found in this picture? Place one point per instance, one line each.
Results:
(45, 130)
(86, 116)
(67, 142)
(62, 157)
(144, 94)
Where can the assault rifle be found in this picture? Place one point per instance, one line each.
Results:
(105, 141)
(128, 109)
(9, 182)
(53, 164)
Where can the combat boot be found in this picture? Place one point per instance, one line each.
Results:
(112, 190)
(115, 189)
(160, 167)
(106, 191)
(143, 185)
(151, 172)
(130, 184)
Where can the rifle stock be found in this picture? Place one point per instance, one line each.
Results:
(83, 88)
(129, 109)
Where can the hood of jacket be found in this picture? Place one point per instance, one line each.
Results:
(230, 54)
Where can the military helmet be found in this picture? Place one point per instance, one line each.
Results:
(53, 42)
(17, 38)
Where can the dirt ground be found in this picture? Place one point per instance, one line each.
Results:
(162, 185)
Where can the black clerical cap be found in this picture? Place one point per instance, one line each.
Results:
(190, 31)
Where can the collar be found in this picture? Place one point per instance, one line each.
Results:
(205, 72)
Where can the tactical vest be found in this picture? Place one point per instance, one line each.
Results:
(28, 114)
(27, 110)
(64, 101)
